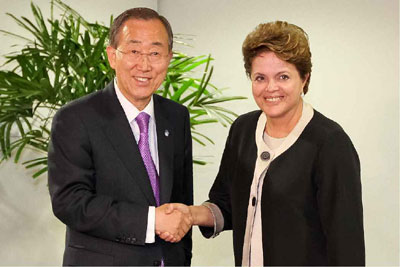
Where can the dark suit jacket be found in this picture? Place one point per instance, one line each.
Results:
(311, 207)
(99, 185)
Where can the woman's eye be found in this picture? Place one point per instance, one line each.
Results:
(284, 77)
(258, 78)
(135, 52)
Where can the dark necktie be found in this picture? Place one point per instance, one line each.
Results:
(143, 121)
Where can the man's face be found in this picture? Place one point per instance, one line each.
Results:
(140, 60)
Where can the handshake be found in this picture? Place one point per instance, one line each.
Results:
(173, 221)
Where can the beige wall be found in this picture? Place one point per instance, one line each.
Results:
(355, 81)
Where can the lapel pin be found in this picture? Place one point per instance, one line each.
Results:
(166, 133)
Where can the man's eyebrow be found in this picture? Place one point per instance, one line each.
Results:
(139, 42)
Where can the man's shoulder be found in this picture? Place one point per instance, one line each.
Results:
(169, 107)
(86, 104)
(167, 103)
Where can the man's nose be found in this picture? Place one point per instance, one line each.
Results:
(143, 63)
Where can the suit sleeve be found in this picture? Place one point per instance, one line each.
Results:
(188, 165)
(339, 200)
(188, 185)
(72, 185)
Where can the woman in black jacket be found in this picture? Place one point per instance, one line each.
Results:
(289, 180)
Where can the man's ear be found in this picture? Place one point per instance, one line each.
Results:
(170, 55)
(111, 56)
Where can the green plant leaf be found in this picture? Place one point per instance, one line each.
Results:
(40, 172)
(16, 35)
(176, 96)
(204, 136)
(199, 162)
(19, 151)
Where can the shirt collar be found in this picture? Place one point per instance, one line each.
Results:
(130, 110)
(306, 116)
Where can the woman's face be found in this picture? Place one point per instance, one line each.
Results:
(277, 86)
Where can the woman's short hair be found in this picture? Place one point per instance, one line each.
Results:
(142, 13)
(288, 41)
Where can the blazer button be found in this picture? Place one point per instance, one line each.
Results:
(265, 155)
(253, 201)
(117, 239)
(133, 240)
(156, 263)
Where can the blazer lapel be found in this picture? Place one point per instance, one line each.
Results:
(165, 137)
(119, 132)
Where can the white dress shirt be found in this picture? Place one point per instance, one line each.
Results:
(131, 112)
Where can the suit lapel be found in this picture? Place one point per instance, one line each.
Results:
(165, 137)
(119, 132)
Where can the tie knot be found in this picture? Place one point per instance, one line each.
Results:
(143, 121)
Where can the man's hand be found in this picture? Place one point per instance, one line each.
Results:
(173, 221)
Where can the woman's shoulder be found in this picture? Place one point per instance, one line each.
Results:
(243, 129)
(247, 120)
(322, 128)
(249, 117)
(324, 124)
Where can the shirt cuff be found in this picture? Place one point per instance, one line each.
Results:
(217, 216)
(151, 220)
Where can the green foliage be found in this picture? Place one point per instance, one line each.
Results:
(64, 59)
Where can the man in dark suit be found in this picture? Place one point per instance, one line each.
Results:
(118, 155)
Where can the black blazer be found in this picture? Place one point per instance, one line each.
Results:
(99, 186)
(311, 198)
